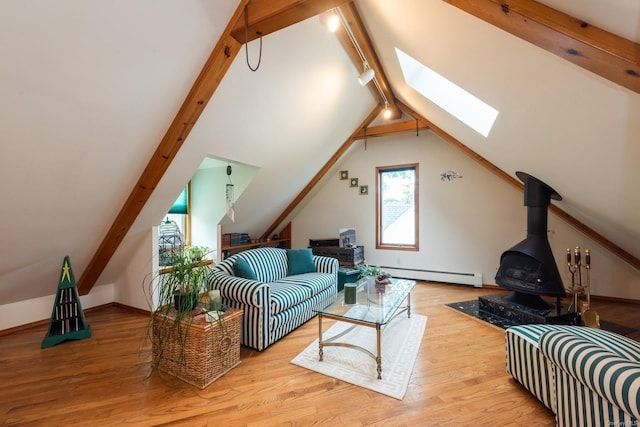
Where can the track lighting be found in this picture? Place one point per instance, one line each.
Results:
(387, 111)
(366, 76)
(331, 20)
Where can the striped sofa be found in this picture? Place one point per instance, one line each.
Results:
(275, 303)
(587, 377)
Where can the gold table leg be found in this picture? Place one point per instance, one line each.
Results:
(320, 336)
(379, 329)
(379, 349)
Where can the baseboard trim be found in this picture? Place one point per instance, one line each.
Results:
(474, 279)
(132, 309)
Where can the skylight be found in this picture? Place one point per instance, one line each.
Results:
(447, 95)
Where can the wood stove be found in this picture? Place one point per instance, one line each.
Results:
(529, 268)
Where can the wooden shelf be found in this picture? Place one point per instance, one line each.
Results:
(272, 242)
(169, 269)
(283, 241)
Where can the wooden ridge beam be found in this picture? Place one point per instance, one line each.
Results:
(390, 128)
(601, 52)
(588, 231)
(268, 16)
(322, 172)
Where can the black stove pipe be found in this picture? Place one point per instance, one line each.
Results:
(529, 267)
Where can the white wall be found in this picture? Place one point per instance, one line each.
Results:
(208, 203)
(134, 284)
(128, 289)
(465, 225)
(37, 309)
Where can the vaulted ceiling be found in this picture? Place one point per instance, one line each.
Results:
(84, 113)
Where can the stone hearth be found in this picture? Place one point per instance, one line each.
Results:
(514, 313)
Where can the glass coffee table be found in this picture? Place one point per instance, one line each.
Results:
(372, 309)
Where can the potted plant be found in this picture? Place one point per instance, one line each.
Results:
(185, 280)
(370, 273)
(178, 289)
(367, 270)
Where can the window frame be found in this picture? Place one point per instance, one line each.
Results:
(404, 247)
(187, 218)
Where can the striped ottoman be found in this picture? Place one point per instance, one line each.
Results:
(585, 376)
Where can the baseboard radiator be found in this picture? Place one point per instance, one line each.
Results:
(474, 279)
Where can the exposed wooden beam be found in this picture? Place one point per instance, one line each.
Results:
(601, 52)
(588, 231)
(201, 92)
(360, 34)
(322, 172)
(387, 129)
(469, 152)
(268, 16)
(597, 237)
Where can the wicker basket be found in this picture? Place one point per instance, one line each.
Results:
(208, 351)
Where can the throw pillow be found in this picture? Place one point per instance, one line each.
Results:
(241, 268)
(300, 261)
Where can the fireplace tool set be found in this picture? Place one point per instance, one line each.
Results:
(579, 290)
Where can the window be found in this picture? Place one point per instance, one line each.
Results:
(174, 232)
(475, 113)
(180, 212)
(397, 207)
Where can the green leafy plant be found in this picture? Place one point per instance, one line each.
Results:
(184, 280)
(370, 270)
(177, 290)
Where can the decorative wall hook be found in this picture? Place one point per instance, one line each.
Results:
(449, 176)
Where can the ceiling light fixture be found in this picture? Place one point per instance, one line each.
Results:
(331, 20)
(368, 74)
(387, 111)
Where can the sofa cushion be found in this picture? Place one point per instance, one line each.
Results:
(241, 268)
(293, 290)
(285, 296)
(314, 282)
(300, 261)
(269, 264)
(593, 385)
(298, 314)
(529, 366)
(621, 345)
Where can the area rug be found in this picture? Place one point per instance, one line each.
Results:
(400, 345)
(471, 308)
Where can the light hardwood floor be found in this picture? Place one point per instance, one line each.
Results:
(458, 379)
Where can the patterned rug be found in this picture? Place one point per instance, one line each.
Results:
(400, 345)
